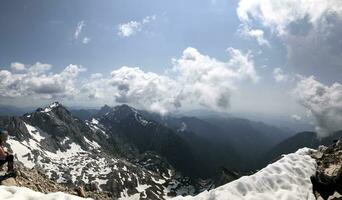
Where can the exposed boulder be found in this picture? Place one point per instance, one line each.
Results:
(9, 182)
(327, 183)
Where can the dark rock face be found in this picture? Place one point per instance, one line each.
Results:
(134, 135)
(327, 183)
(15, 126)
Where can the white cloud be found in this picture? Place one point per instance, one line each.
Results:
(278, 15)
(310, 29)
(324, 102)
(257, 34)
(296, 117)
(148, 19)
(196, 79)
(39, 82)
(86, 40)
(18, 67)
(79, 28)
(130, 28)
(279, 75)
(78, 32)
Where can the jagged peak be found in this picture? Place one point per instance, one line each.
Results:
(105, 107)
(51, 106)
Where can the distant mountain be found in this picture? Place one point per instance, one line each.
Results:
(218, 136)
(250, 139)
(300, 140)
(84, 114)
(211, 153)
(6, 110)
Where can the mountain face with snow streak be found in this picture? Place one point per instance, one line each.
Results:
(72, 152)
(135, 134)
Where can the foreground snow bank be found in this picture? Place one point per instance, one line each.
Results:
(286, 179)
(22, 193)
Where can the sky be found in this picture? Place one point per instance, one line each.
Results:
(269, 57)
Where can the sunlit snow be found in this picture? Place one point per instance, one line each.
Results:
(22, 193)
(288, 179)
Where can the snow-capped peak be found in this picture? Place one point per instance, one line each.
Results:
(51, 106)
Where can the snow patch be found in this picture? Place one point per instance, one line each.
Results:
(95, 126)
(22, 152)
(93, 144)
(22, 193)
(132, 197)
(38, 135)
(94, 121)
(50, 107)
(288, 178)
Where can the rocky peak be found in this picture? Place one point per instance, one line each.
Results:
(61, 125)
(38, 181)
(125, 113)
(327, 182)
(124, 109)
(103, 110)
(49, 108)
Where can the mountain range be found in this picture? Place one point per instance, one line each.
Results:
(126, 151)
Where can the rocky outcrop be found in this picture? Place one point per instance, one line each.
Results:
(327, 183)
(35, 180)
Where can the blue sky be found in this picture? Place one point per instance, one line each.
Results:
(175, 51)
(43, 31)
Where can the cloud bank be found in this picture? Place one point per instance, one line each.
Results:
(37, 80)
(194, 79)
(310, 29)
(324, 102)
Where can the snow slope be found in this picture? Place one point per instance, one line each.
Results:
(80, 166)
(22, 193)
(286, 179)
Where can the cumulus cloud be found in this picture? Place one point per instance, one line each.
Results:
(256, 34)
(310, 29)
(195, 79)
(39, 82)
(279, 75)
(296, 117)
(130, 28)
(279, 15)
(79, 29)
(18, 67)
(324, 103)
